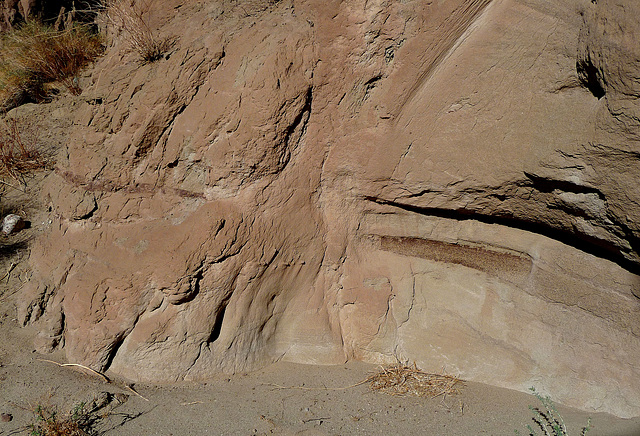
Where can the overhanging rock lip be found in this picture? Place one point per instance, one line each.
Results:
(589, 244)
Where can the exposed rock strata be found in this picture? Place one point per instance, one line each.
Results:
(451, 183)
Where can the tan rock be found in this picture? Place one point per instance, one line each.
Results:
(438, 182)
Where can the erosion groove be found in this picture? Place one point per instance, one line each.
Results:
(550, 185)
(294, 133)
(588, 75)
(217, 326)
(137, 188)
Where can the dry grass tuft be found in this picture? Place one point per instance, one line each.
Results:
(129, 18)
(17, 158)
(401, 379)
(36, 55)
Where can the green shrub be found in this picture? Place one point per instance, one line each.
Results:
(548, 419)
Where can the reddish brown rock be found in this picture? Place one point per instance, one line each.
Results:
(450, 183)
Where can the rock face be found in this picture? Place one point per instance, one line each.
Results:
(451, 183)
(14, 12)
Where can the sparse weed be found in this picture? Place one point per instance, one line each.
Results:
(36, 55)
(130, 18)
(48, 422)
(548, 419)
(17, 156)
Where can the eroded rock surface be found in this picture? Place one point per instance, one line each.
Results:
(451, 183)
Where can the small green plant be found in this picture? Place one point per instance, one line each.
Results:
(130, 18)
(36, 55)
(48, 422)
(548, 419)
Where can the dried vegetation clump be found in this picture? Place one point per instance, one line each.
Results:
(36, 55)
(18, 157)
(402, 379)
(130, 18)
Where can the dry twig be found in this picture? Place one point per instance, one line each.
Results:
(10, 185)
(16, 157)
(134, 392)
(399, 380)
(11, 267)
(93, 371)
(304, 388)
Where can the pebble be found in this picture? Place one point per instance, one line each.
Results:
(6, 417)
(12, 223)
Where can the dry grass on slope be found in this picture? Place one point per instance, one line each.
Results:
(18, 156)
(36, 55)
(130, 18)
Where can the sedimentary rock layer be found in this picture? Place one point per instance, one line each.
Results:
(451, 183)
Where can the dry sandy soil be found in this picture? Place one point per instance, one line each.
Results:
(247, 404)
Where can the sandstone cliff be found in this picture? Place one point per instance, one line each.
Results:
(451, 183)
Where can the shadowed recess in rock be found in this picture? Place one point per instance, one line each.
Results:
(217, 326)
(586, 243)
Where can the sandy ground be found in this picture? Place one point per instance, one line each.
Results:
(283, 399)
